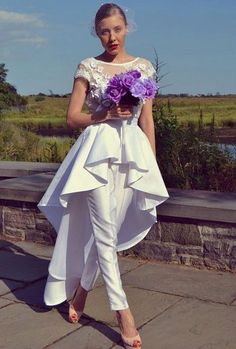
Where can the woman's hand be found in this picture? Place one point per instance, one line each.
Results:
(120, 111)
(117, 112)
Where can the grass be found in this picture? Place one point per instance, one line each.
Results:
(53, 149)
(17, 144)
(51, 112)
(187, 109)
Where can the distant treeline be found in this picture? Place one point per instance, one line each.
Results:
(197, 95)
(181, 95)
(50, 95)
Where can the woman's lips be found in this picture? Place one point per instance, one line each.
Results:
(113, 47)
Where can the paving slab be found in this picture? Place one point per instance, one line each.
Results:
(234, 303)
(7, 286)
(194, 324)
(24, 268)
(31, 328)
(175, 307)
(94, 335)
(23, 247)
(4, 302)
(184, 281)
(39, 251)
(31, 294)
(150, 303)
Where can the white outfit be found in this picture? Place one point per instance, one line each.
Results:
(104, 195)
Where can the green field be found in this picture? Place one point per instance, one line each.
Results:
(51, 112)
(188, 109)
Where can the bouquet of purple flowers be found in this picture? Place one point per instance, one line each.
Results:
(128, 89)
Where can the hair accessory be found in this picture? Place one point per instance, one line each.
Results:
(129, 13)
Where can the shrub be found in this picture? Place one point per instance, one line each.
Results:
(188, 157)
(16, 144)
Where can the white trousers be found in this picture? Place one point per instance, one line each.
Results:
(107, 208)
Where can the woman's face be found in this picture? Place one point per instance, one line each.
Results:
(112, 33)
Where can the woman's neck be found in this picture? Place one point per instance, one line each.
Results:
(121, 57)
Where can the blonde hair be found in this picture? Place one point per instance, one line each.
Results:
(107, 10)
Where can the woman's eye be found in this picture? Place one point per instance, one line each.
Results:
(104, 32)
(107, 32)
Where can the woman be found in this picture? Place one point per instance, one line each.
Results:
(103, 197)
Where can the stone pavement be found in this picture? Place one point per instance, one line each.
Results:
(175, 307)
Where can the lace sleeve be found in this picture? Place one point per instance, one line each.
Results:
(82, 71)
(151, 71)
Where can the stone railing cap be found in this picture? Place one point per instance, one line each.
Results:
(191, 204)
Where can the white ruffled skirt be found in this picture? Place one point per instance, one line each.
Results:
(84, 168)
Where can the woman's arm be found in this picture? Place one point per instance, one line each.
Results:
(75, 118)
(146, 123)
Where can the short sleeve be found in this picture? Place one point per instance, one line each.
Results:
(151, 71)
(82, 71)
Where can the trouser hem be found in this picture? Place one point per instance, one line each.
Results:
(119, 307)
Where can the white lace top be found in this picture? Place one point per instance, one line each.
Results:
(98, 73)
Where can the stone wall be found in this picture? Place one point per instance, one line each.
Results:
(194, 227)
(182, 241)
(24, 222)
(199, 244)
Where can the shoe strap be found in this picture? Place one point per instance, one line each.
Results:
(134, 342)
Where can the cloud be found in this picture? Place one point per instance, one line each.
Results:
(35, 40)
(21, 28)
(7, 17)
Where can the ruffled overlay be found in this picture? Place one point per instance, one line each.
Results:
(85, 168)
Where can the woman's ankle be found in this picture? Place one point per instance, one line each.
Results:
(80, 298)
(126, 322)
(123, 312)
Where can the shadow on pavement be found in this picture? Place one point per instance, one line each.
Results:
(23, 278)
(23, 275)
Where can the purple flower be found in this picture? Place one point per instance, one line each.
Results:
(129, 88)
(114, 94)
(129, 79)
(116, 81)
(115, 88)
(138, 89)
(135, 73)
(151, 88)
(107, 102)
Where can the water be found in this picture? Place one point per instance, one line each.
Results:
(231, 148)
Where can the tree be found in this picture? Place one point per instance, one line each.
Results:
(3, 72)
(8, 93)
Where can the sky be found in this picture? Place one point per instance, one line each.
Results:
(42, 42)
